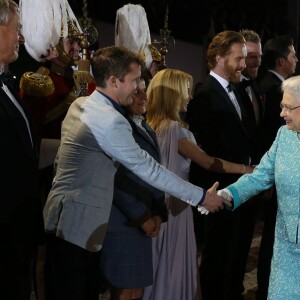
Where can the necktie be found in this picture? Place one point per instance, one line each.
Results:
(232, 96)
(230, 87)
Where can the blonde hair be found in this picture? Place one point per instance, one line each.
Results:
(165, 95)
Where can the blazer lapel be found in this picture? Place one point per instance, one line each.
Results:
(152, 134)
(152, 141)
(259, 100)
(225, 96)
(247, 110)
(18, 122)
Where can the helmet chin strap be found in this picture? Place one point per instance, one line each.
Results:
(63, 59)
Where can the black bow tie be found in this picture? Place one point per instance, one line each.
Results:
(246, 82)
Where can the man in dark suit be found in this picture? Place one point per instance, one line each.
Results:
(250, 88)
(279, 57)
(19, 211)
(220, 119)
(249, 84)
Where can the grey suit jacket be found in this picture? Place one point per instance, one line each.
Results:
(95, 139)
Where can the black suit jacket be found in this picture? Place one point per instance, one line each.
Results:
(219, 131)
(255, 127)
(258, 95)
(270, 87)
(18, 191)
(260, 101)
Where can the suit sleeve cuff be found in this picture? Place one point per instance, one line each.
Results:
(202, 198)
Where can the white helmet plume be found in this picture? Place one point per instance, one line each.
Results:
(132, 30)
(43, 22)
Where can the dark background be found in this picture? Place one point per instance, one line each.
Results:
(193, 23)
(196, 21)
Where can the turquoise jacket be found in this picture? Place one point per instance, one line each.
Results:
(280, 165)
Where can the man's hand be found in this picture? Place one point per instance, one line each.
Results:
(212, 201)
(148, 227)
(152, 226)
(158, 221)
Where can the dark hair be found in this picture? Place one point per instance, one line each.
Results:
(221, 45)
(275, 48)
(113, 61)
(146, 75)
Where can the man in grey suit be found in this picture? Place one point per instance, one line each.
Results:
(95, 139)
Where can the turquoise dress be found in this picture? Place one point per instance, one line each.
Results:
(280, 165)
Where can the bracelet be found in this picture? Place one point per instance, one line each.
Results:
(244, 169)
(202, 210)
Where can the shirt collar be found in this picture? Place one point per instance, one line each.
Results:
(220, 79)
(114, 103)
(244, 77)
(277, 74)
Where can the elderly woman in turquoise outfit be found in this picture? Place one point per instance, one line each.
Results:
(280, 165)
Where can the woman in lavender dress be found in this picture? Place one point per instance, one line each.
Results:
(174, 249)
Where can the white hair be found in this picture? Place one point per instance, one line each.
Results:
(292, 86)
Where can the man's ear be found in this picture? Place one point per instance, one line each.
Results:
(281, 60)
(219, 59)
(113, 81)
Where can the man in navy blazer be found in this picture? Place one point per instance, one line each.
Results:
(95, 138)
(19, 210)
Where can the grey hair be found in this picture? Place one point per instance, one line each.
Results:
(6, 8)
(292, 86)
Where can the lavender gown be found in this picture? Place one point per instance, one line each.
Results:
(175, 267)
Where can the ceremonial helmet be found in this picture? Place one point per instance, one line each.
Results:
(45, 22)
(132, 31)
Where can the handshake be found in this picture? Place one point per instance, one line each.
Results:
(215, 200)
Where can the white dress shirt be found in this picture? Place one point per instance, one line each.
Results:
(225, 84)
